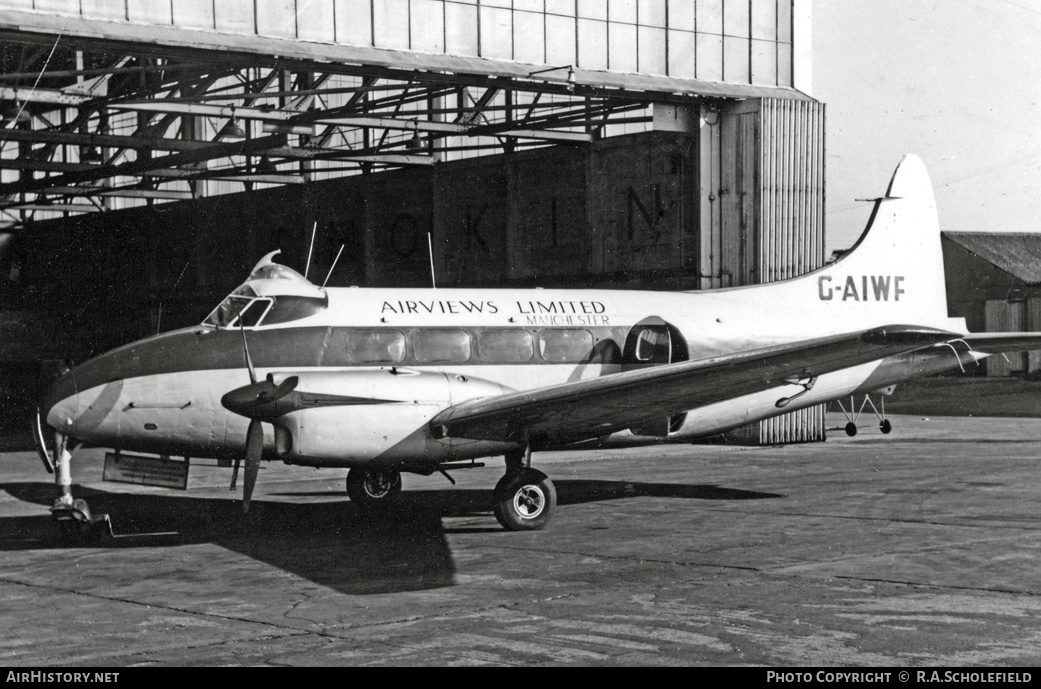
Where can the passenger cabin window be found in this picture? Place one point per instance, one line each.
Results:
(653, 345)
(505, 346)
(376, 346)
(441, 346)
(565, 345)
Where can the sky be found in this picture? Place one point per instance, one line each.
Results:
(956, 82)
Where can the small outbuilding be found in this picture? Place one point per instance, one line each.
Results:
(994, 283)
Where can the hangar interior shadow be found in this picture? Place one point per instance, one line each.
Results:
(334, 544)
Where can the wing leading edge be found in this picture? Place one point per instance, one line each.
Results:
(585, 409)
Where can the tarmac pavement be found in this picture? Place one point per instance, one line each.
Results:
(915, 549)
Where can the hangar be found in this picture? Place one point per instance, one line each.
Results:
(994, 283)
(152, 151)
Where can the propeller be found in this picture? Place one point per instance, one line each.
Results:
(258, 402)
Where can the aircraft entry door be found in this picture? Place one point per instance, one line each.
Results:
(650, 343)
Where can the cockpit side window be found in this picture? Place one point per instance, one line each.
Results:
(237, 310)
(252, 314)
(287, 309)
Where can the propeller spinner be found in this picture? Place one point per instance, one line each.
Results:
(258, 402)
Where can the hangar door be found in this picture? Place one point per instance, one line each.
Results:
(1002, 316)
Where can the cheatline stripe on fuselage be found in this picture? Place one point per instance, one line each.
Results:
(204, 348)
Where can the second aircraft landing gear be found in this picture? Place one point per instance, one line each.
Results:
(368, 489)
(854, 413)
(524, 498)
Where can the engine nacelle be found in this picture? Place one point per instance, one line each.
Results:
(381, 416)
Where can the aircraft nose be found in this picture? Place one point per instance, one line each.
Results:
(58, 403)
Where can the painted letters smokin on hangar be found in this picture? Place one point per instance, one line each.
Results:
(389, 381)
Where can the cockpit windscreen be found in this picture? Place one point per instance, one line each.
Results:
(243, 308)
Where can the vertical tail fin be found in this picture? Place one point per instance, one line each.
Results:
(895, 270)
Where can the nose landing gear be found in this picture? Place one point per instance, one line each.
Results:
(73, 515)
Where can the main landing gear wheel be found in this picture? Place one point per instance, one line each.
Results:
(885, 426)
(524, 500)
(851, 429)
(368, 489)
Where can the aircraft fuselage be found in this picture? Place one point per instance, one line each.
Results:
(376, 365)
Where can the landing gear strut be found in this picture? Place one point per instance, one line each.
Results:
(368, 489)
(854, 413)
(73, 515)
(524, 498)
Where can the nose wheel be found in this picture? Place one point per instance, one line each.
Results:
(75, 520)
(72, 514)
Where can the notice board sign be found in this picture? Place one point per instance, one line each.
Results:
(146, 471)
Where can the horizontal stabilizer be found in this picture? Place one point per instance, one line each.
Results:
(996, 343)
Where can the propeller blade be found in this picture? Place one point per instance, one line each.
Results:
(279, 391)
(245, 352)
(254, 448)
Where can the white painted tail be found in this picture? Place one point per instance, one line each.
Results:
(894, 273)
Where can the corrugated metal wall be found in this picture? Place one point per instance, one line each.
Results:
(748, 42)
(791, 204)
(772, 217)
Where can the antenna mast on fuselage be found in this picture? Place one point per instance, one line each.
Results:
(310, 251)
(430, 250)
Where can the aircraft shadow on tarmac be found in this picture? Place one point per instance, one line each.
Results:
(330, 543)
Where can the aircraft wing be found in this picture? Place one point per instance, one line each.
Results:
(995, 343)
(586, 409)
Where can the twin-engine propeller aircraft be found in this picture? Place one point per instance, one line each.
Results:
(387, 381)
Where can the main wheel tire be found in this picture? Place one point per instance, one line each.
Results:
(851, 429)
(885, 426)
(368, 489)
(525, 500)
